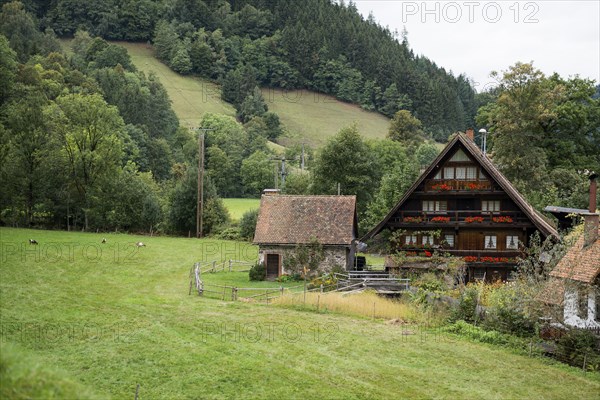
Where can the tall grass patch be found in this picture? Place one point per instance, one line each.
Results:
(365, 304)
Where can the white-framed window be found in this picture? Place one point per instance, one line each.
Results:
(461, 172)
(435, 205)
(490, 205)
(449, 239)
(482, 174)
(490, 241)
(410, 239)
(460, 156)
(512, 242)
(471, 173)
(438, 176)
(427, 240)
(448, 173)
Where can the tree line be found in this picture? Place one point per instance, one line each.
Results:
(89, 142)
(317, 44)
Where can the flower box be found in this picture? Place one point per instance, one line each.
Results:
(441, 187)
(470, 220)
(440, 219)
(416, 220)
(503, 219)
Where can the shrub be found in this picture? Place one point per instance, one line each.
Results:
(258, 272)
(505, 313)
(577, 345)
(478, 334)
(466, 309)
(231, 233)
(327, 280)
(430, 282)
(248, 224)
(289, 278)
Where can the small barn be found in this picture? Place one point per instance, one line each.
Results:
(285, 221)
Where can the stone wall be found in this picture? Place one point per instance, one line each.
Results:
(334, 256)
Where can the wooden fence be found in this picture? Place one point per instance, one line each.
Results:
(232, 293)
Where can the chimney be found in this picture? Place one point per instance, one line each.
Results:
(592, 219)
(271, 192)
(470, 134)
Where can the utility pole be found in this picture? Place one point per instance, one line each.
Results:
(200, 194)
(283, 172)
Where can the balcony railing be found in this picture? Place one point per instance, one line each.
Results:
(461, 217)
(448, 185)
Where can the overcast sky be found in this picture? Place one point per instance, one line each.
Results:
(477, 37)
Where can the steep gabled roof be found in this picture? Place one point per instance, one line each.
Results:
(581, 263)
(544, 227)
(284, 219)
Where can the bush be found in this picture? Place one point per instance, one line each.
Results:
(478, 334)
(289, 278)
(258, 272)
(577, 345)
(466, 309)
(248, 224)
(430, 282)
(231, 233)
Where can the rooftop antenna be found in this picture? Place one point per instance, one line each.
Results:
(484, 142)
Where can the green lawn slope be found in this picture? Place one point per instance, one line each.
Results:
(112, 316)
(310, 117)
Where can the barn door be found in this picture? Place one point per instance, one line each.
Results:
(273, 261)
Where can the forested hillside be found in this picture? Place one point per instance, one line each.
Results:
(89, 141)
(317, 44)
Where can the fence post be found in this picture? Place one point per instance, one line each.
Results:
(233, 294)
(281, 289)
(214, 264)
(321, 288)
(530, 347)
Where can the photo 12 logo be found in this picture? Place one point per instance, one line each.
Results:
(470, 11)
(54, 252)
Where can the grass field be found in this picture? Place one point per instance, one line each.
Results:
(309, 117)
(237, 207)
(107, 317)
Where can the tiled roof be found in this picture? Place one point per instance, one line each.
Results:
(536, 218)
(284, 219)
(580, 263)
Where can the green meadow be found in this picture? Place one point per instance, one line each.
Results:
(237, 207)
(79, 316)
(308, 116)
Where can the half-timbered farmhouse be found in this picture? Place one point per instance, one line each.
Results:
(285, 221)
(476, 212)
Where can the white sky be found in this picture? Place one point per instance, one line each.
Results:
(477, 37)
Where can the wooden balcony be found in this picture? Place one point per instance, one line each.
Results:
(451, 186)
(460, 218)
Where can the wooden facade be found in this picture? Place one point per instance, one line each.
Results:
(480, 215)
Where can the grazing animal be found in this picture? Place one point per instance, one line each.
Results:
(140, 244)
(33, 241)
(103, 240)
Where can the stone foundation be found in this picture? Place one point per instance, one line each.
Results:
(334, 256)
